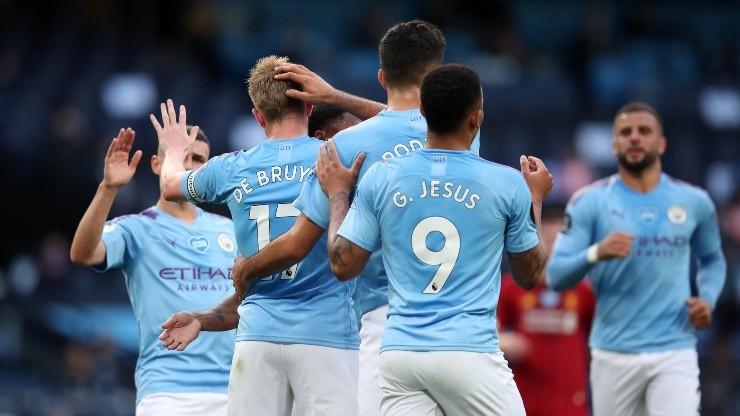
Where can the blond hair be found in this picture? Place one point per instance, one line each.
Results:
(267, 93)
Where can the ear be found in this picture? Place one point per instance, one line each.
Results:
(258, 116)
(381, 79)
(156, 163)
(309, 109)
(614, 146)
(662, 144)
(476, 118)
(320, 134)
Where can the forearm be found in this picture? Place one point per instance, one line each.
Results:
(90, 229)
(346, 258)
(173, 168)
(565, 271)
(223, 316)
(710, 276)
(362, 108)
(281, 254)
(527, 267)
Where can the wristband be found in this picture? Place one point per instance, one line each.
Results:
(592, 254)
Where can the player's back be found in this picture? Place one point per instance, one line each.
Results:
(305, 304)
(389, 134)
(444, 218)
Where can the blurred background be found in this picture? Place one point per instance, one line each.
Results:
(72, 72)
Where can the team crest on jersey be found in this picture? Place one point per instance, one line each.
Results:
(108, 228)
(200, 244)
(677, 214)
(549, 298)
(225, 242)
(648, 215)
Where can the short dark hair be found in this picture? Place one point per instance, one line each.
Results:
(201, 136)
(636, 106)
(449, 94)
(322, 116)
(409, 50)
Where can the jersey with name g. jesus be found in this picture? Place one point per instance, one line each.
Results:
(441, 220)
(305, 304)
(641, 299)
(170, 266)
(389, 134)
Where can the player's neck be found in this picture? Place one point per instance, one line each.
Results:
(643, 181)
(453, 141)
(402, 99)
(183, 211)
(287, 128)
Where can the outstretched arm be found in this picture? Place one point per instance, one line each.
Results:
(184, 327)
(175, 143)
(347, 259)
(316, 91)
(280, 254)
(87, 247)
(527, 266)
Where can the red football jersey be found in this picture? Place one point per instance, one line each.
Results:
(553, 376)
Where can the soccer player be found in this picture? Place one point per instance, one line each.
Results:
(634, 233)
(407, 51)
(326, 120)
(173, 254)
(545, 338)
(441, 218)
(297, 332)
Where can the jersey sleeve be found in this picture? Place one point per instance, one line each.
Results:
(361, 225)
(204, 183)
(707, 246)
(521, 234)
(313, 202)
(568, 263)
(119, 244)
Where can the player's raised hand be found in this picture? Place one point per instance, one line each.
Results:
(331, 173)
(538, 177)
(700, 313)
(616, 244)
(179, 331)
(314, 90)
(117, 169)
(173, 133)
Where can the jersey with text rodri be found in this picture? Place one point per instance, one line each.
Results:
(170, 266)
(305, 304)
(441, 220)
(640, 299)
(387, 135)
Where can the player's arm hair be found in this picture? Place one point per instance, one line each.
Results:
(527, 266)
(223, 316)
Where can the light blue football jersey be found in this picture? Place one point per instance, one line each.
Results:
(387, 135)
(441, 220)
(170, 266)
(305, 304)
(640, 299)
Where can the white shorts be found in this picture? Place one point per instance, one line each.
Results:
(371, 336)
(266, 377)
(433, 383)
(662, 383)
(183, 404)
